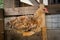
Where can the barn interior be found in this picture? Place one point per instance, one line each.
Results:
(10, 9)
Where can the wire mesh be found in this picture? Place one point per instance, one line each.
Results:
(53, 21)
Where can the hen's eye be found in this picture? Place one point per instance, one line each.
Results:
(44, 9)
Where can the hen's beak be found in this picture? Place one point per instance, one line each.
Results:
(45, 10)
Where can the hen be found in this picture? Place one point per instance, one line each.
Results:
(29, 25)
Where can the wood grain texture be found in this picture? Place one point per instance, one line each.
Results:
(1, 25)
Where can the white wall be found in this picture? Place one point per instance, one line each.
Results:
(32, 2)
(26, 1)
(45, 2)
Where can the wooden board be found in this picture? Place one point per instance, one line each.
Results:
(1, 30)
(9, 3)
(53, 34)
(53, 9)
(1, 25)
(20, 10)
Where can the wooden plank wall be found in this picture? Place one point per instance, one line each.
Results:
(20, 11)
(54, 8)
(9, 10)
(9, 3)
(32, 10)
